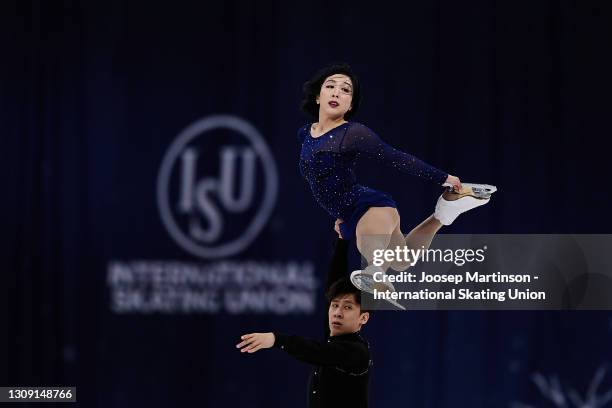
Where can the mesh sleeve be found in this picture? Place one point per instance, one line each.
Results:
(362, 140)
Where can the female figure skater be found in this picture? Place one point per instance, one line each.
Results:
(327, 160)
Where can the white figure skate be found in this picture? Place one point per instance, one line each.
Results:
(451, 203)
(364, 281)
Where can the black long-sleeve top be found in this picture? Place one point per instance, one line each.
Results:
(341, 372)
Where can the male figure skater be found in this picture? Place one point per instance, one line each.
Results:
(341, 364)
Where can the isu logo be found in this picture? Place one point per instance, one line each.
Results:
(217, 186)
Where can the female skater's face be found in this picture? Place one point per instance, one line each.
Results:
(345, 315)
(336, 96)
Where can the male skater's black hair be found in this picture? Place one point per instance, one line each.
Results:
(343, 287)
(312, 88)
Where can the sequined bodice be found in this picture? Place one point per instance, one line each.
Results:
(328, 163)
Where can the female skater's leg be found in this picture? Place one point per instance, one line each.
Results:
(374, 230)
(423, 234)
(420, 236)
(379, 228)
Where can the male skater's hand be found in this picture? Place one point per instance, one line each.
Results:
(337, 227)
(255, 341)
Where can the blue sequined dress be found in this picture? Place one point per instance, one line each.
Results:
(328, 162)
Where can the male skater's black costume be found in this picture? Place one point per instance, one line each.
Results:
(341, 371)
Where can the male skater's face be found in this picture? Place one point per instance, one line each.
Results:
(345, 315)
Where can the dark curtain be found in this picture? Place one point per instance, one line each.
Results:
(512, 93)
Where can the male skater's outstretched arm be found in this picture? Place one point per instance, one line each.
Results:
(341, 364)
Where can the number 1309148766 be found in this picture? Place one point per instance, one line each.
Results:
(40, 394)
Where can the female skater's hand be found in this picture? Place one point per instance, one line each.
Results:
(255, 341)
(337, 227)
(454, 182)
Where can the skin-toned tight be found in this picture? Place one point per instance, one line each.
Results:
(379, 228)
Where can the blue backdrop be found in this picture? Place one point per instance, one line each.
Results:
(93, 96)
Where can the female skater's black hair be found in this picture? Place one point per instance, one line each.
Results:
(312, 88)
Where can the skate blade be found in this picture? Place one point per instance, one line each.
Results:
(365, 283)
(394, 303)
(479, 191)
